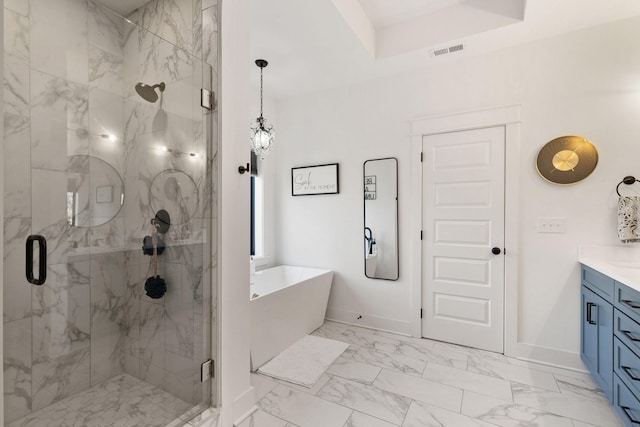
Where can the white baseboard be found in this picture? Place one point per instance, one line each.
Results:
(550, 356)
(245, 416)
(241, 407)
(368, 321)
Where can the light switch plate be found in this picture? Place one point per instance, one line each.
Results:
(556, 225)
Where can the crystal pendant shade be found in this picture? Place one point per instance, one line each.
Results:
(261, 134)
(261, 137)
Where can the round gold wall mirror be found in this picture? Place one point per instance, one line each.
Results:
(567, 160)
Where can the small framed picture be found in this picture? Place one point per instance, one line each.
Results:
(314, 180)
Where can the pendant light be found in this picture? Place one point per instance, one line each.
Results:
(262, 133)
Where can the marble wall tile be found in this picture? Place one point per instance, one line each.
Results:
(58, 378)
(49, 121)
(105, 113)
(16, 86)
(16, 35)
(107, 276)
(64, 55)
(152, 320)
(303, 409)
(17, 368)
(152, 374)
(106, 71)
(179, 331)
(48, 195)
(372, 401)
(210, 36)
(140, 119)
(107, 356)
(17, 165)
(170, 19)
(180, 377)
(61, 314)
(19, 6)
(106, 29)
(16, 290)
(197, 28)
(77, 142)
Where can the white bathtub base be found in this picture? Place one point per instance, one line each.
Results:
(282, 317)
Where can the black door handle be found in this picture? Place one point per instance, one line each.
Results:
(42, 264)
(496, 251)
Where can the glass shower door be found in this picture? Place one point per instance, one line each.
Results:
(109, 155)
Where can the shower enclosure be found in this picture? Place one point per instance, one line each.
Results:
(106, 140)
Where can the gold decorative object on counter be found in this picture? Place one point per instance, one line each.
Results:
(567, 160)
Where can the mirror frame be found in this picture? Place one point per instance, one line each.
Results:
(364, 201)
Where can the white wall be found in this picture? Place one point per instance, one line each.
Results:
(237, 396)
(585, 83)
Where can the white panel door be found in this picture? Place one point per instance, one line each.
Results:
(463, 220)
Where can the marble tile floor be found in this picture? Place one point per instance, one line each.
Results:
(122, 401)
(386, 380)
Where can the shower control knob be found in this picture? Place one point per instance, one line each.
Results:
(496, 251)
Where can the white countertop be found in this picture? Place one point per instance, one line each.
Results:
(621, 263)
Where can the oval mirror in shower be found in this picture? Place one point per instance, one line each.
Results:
(381, 219)
(95, 191)
(176, 192)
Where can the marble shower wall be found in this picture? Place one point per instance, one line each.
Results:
(166, 340)
(70, 70)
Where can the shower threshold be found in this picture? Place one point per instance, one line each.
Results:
(122, 401)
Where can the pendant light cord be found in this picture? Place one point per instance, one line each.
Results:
(261, 91)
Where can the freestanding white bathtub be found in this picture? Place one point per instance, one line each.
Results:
(291, 303)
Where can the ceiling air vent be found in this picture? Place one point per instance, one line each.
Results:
(447, 50)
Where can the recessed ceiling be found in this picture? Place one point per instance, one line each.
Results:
(123, 7)
(384, 13)
(316, 45)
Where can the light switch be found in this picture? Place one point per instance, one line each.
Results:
(552, 225)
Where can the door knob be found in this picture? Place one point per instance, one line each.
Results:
(496, 251)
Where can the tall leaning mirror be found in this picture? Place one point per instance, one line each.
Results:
(381, 219)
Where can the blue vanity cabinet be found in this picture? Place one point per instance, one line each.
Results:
(626, 365)
(596, 344)
(610, 340)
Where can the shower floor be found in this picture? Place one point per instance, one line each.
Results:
(122, 401)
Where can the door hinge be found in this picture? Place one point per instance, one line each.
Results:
(207, 99)
(421, 313)
(421, 157)
(420, 234)
(207, 370)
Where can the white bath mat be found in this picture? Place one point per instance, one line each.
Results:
(305, 361)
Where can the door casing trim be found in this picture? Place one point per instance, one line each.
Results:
(510, 118)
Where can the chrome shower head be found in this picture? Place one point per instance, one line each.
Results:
(148, 93)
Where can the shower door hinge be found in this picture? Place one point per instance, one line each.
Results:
(420, 234)
(421, 313)
(207, 99)
(421, 157)
(207, 370)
